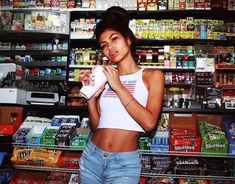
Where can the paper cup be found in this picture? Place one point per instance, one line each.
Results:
(96, 79)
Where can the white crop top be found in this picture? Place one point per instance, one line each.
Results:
(112, 112)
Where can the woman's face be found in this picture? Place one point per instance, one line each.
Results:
(114, 46)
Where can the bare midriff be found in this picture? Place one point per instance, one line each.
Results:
(116, 140)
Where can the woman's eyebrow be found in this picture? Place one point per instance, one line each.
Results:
(108, 38)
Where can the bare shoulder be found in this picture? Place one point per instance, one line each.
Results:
(155, 75)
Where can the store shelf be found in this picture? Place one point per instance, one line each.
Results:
(162, 42)
(225, 86)
(164, 109)
(219, 178)
(24, 36)
(170, 14)
(170, 69)
(180, 85)
(53, 147)
(43, 64)
(143, 152)
(45, 78)
(224, 67)
(159, 42)
(34, 52)
(181, 154)
(144, 66)
(199, 111)
(40, 168)
(159, 14)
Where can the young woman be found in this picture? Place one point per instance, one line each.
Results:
(128, 105)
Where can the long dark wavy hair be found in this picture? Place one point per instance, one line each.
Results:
(116, 18)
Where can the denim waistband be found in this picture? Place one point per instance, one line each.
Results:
(95, 149)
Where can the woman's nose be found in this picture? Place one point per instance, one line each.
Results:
(110, 46)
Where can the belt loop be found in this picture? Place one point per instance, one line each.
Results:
(118, 159)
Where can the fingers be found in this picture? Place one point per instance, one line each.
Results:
(110, 69)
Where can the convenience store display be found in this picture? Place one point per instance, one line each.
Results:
(38, 41)
(192, 43)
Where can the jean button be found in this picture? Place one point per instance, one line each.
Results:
(105, 154)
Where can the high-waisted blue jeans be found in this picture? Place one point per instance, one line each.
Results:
(101, 167)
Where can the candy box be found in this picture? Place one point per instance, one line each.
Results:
(69, 160)
(229, 127)
(212, 133)
(184, 136)
(160, 139)
(48, 136)
(19, 136)
(10, 119)
(188, 166)
(80, 140)
(22, 176)
(74, 179)
(34, 135)
(65, 133)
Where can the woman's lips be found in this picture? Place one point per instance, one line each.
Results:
(112, 56)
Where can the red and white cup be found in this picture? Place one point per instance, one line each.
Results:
(95, 81)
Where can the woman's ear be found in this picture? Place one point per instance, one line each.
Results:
(129, 41)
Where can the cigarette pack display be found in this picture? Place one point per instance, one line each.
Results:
(176, 4)
(213, 98)
(199, 4)
(170, 4)
(142, 5)
(182, 4)
(207, 4)
(231, 5)
(189, 4)
(152, 5)
(162, 4)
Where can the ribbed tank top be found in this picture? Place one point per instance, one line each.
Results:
(112, 112)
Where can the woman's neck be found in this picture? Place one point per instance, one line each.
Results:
(127, 68)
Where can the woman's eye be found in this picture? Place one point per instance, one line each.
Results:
(114, 38)
(103, 46)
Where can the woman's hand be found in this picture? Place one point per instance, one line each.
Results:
(113, 77)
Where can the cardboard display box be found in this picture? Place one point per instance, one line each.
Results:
(183, 143)
(10, 119)
(213, 146)
(69, 160)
